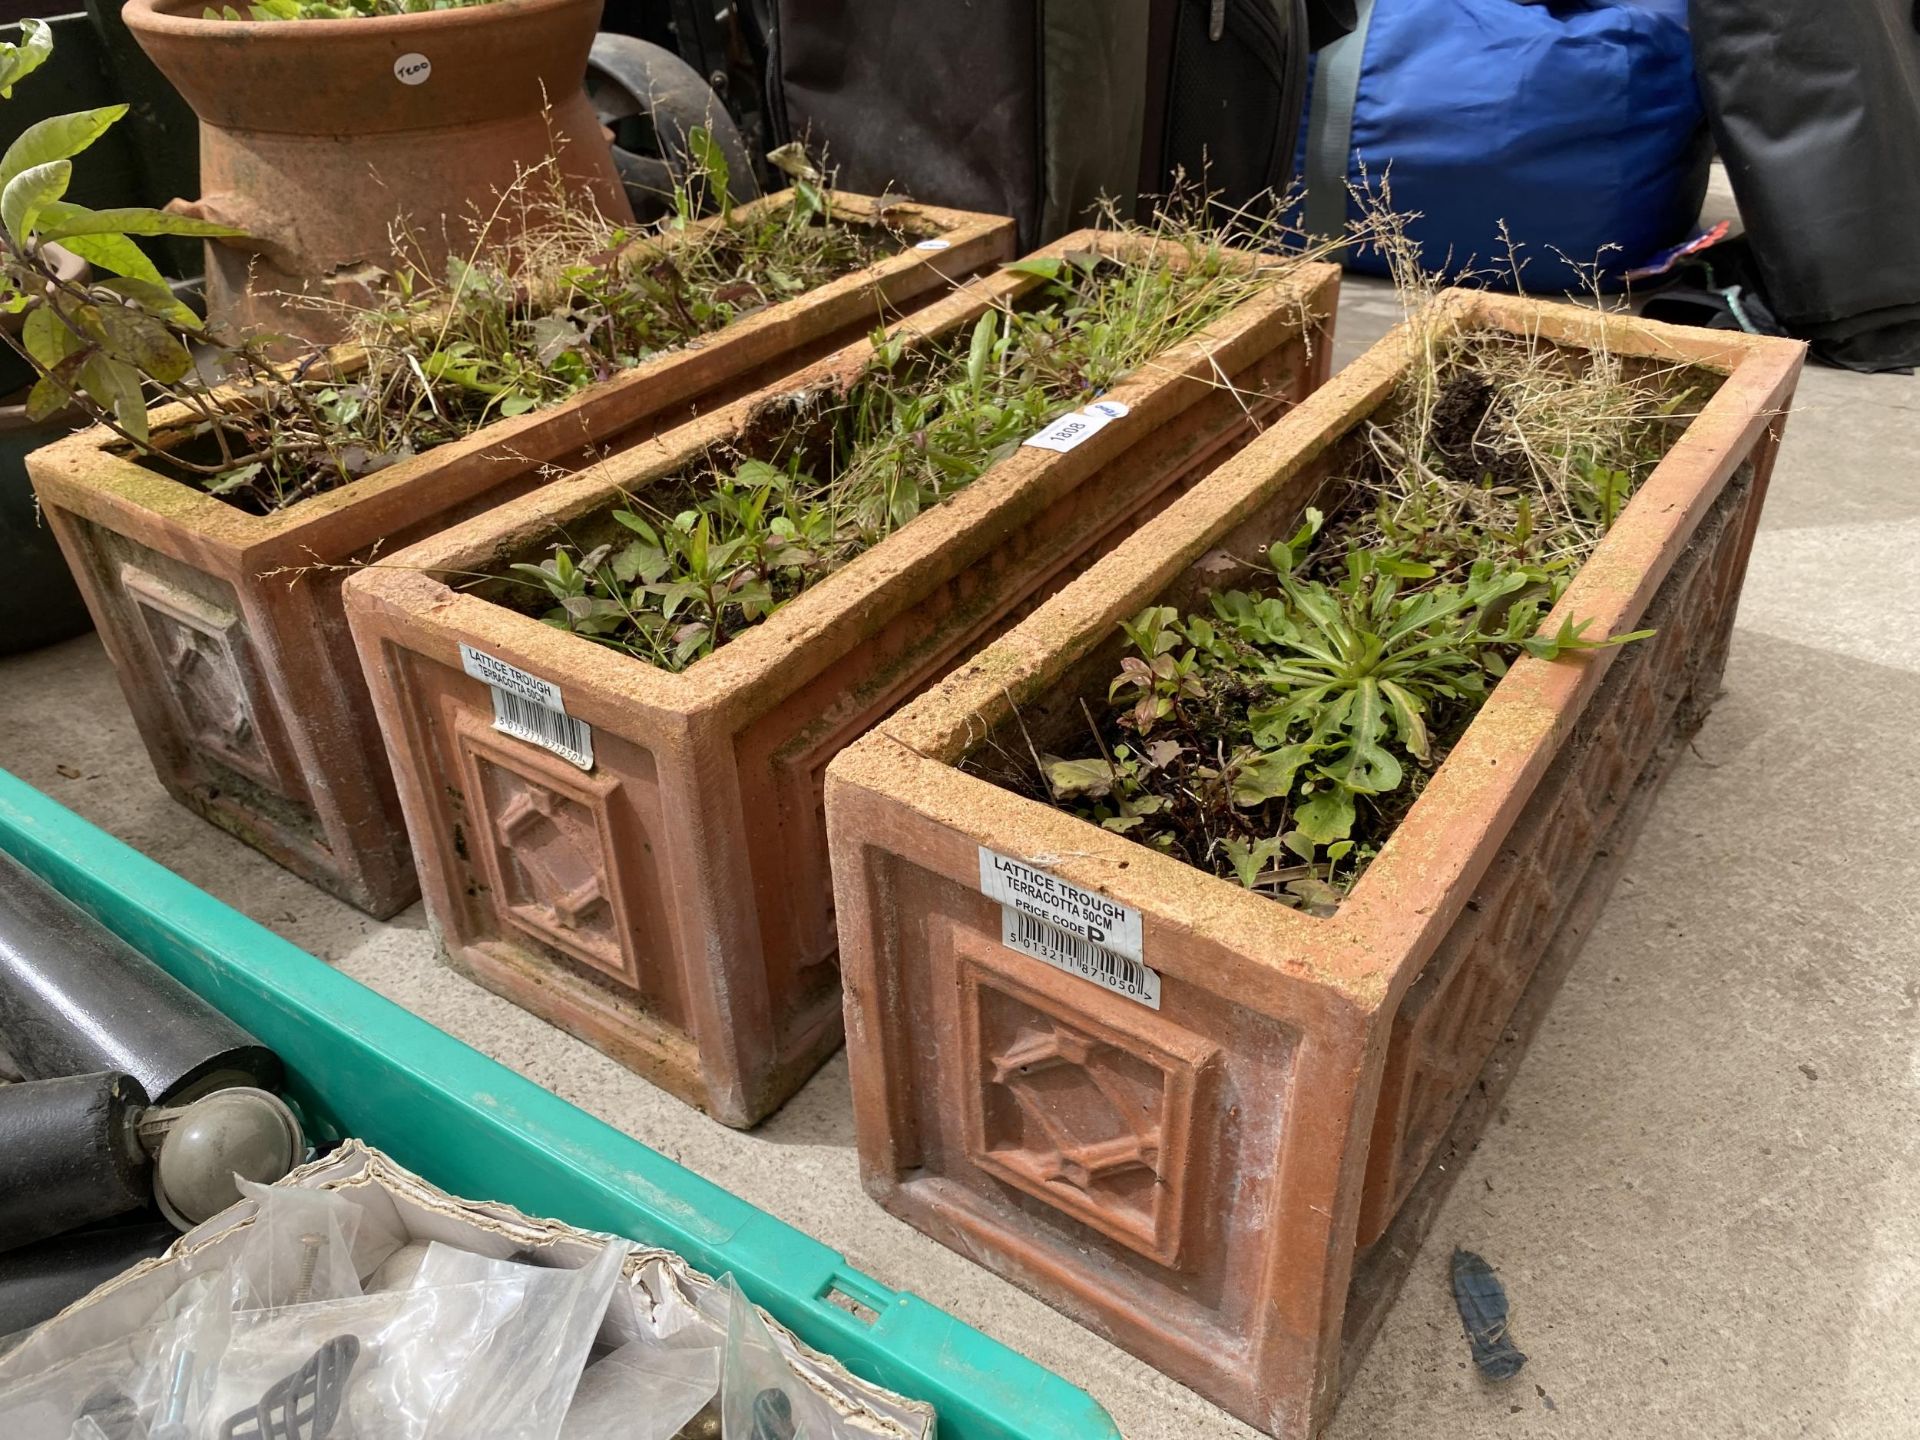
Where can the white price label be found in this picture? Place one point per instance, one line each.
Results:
(412, 68)
(1086, 913)
(529, 708)
(1069, 430)
(1106, 968)
(935, 243)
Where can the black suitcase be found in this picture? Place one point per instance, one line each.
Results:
(1816, 110)
(1039, 108)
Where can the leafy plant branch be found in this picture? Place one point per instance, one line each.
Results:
(106, 344)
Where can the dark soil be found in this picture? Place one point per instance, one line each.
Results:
(1458, 412)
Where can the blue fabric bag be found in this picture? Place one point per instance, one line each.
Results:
(1578, 122)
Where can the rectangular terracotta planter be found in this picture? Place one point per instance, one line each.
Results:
(1199, 1181)
(672, 906)
(244, 683)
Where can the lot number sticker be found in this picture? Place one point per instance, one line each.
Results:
(1068, 431)
(1077, 426)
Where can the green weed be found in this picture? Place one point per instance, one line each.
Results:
(1279, 737)
(714, 553)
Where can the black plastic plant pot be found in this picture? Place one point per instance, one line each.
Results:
(38, 601)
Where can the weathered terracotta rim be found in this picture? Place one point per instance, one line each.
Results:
(1382, 934)
(129, 483)
(166, 17)
(842, 600)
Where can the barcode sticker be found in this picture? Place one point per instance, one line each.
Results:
(529, 708)
(555, 730)
(1033, 936)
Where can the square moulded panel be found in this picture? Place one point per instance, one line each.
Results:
(544, 834)
(201, 652)
(1093, 1116)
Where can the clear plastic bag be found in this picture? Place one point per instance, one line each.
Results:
(655, 1384)
(48, 1405)
(760, 1396)
(298, 1250)
(174, 1383)
(268, 1350)
(472, 1347)
(485, 1347)
(643, 1391)
(437, 1342)
(251, 1316)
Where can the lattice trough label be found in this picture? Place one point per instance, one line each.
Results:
(1079, 931)
(529, 708)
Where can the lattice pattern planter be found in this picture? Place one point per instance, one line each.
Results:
(245, 686)
(1199, 1177)
(672, 905)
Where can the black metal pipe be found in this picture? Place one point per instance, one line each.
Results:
(75, 999)
(38, 1282)
(69, 1155)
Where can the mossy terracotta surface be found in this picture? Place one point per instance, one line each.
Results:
(1208, 1180)
(226, 626)
(672, 905)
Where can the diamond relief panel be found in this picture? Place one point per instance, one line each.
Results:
(201, 651)
(1084, 1106)
(545, 838)
(1482, 970)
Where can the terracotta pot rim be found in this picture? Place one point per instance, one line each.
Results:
(164, 17)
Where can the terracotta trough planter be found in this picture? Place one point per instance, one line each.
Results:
(245, 685)
(672, 905)
(316, 136)
(1200, 1178)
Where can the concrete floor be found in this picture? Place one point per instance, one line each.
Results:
(1702, 1191)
